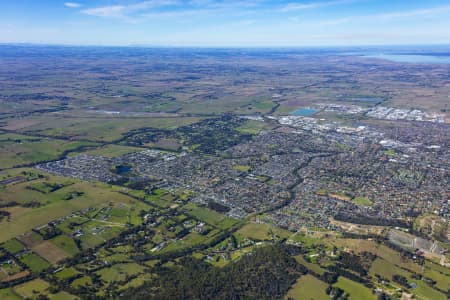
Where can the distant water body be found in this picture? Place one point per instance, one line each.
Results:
(305, 112)
(413, 58)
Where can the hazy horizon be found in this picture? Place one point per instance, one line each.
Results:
(234, 24)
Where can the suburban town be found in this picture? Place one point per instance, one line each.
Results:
(305, 167)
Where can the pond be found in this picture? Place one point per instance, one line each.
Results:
(122, 169)
(305, 112)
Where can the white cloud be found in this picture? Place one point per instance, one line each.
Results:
(72, 4)
(311, 5)
(391, 16)
(106, 11)
(427, 12)
(115, 11)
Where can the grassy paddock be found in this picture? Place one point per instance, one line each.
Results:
(18, 150)
(9, 294)
(112, 150)
(23, 220)
(104, 129)
(32, 288)
(254, 127)
(262, 231)
(13, 246)
(387, 270)
(34, 262)
(119, 272)
(209, 216)
(50, 252)
(308, 287)
(65, 243)
(356, 290)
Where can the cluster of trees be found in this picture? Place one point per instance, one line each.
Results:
(218, 207)
(359, 264)
(402, 280)
(72, 195)
(142, 136)
(366, 220)
(4, 214)
(267, 273)
(213, 135)
(353, 267)
(46, 187)
(210, 136)
(336, 293)
(50, 231)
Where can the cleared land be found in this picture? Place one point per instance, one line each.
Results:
(308, 287)
(356, 290)
(24, 219)
(101, 129)
(16, 150)
(262, 231)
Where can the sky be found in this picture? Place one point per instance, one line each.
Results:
(225, 23)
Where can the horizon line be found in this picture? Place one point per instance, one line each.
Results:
(149, 46)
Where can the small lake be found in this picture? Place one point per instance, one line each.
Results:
(413, 58)
(305, 112)
(123, 169)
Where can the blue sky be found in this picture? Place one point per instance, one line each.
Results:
(251, 23)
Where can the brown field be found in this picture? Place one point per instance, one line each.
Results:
(358, 245)
(50, 252)
(169, 144)
(360, 229)
(20, 124)
(16, 276)
(30, 239)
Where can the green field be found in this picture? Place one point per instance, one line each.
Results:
(308, 287)
(254, 127)
(65, 243)
(438, 268)
(160, 198)
(32, 289)
(264, 105)
(424, 291)
(9, 294)
(67, 273)
(442, 279)
(310, 266)
(209, 216)
(362, 201)
(111, 150)
(387, 270)
(103, 129)
(190, 240)
(382, 251)
(24, 219)
(97, 233)
(356, 290)
(18, 150)
(13, 246)
(119, 272)
(82, 281)
(262, 231)
(138, 281)
(34, 262)
(241, 168)
(62, 296)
